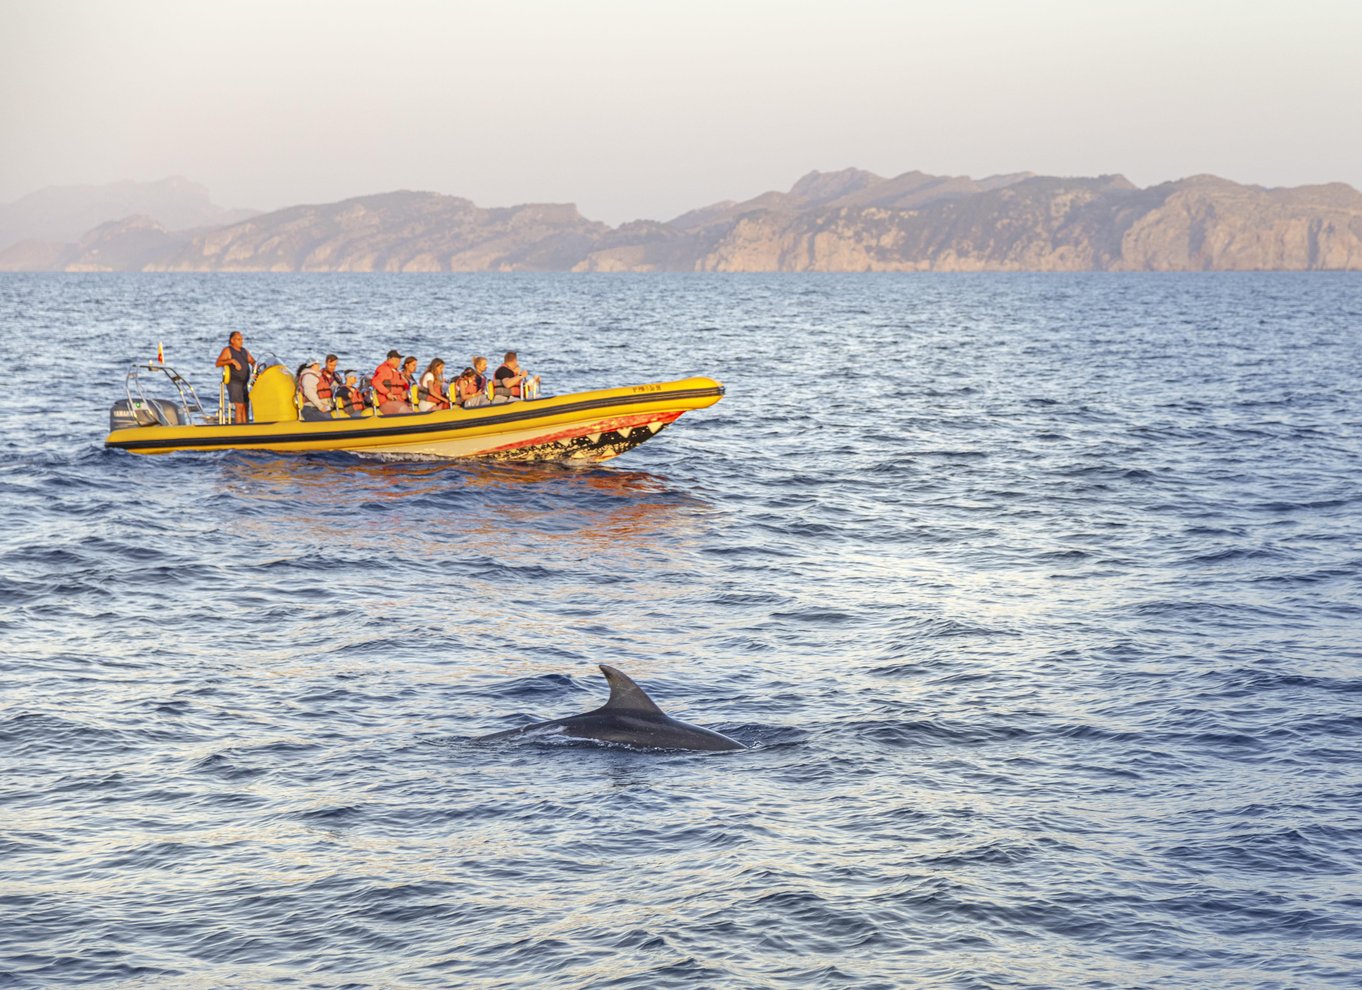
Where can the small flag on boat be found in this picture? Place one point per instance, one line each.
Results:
(160, 352)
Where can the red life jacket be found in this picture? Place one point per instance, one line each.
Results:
(350, 397)
(469, 387)
(326, 387)
(389, 384)
(435, 394)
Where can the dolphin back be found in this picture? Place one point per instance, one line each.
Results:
(631, 718)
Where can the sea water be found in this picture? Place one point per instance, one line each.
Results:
(1038, 599)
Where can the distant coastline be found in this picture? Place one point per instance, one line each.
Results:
(847, 221)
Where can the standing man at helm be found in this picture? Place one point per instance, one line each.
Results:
(239, 363)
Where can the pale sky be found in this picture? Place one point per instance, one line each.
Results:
(646, 109)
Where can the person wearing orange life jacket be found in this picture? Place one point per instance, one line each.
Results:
(391, 389)
(329, 381)
(311, 408)
(408, 370)
(349, 396)
(483, 383)
(432, 390)
(479, 368)
(510, 379)
(466, 390)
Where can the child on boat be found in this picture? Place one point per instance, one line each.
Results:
(350, 397)
(466, 390)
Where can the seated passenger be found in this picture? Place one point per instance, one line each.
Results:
(511, 380)
(312, 408)
(349, 397)
(432, 391)
(391, 390)
(467, 390)
(484, 383)
(331, 381)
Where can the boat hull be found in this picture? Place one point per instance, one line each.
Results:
(585, 426)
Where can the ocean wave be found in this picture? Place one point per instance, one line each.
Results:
(1044, 647)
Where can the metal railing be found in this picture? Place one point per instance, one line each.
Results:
(188, 399)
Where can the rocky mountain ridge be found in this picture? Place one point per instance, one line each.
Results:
(849, 220)
(61, 215)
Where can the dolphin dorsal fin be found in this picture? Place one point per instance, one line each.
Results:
(625, 695)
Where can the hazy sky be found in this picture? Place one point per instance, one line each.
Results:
(646, 109)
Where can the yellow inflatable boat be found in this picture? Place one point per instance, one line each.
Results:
(582, 426)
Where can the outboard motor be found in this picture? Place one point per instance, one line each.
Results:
(129, 413)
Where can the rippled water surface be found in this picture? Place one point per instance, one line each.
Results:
(1036, 598)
